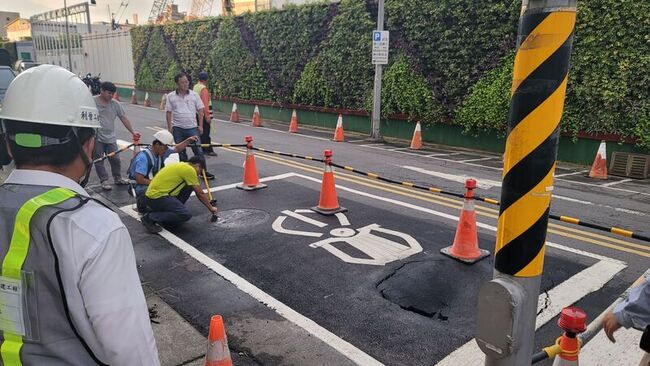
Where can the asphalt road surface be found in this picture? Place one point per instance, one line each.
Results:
(369, 285)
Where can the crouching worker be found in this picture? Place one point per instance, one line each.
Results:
(169, 190)
(148, 162)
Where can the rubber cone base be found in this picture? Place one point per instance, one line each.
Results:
(447, 251)
(251, 188)
(329, 212)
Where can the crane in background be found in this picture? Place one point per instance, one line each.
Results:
(156, 10)
(115, 23)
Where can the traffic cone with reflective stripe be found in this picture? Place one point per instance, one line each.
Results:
(147, 101)
(116, 96)
(251, 179)
(134, 100)
(599, 167)
(465, 247)
(234, 115)
(257, 119)
(573, 320)
(328, 204)
(293, 126)
(163, 101)
(217, 353)
(416, 141)
(338, 133)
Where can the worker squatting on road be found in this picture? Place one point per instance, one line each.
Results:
(150, 160)
(169, 190)
(634, 312)
(106, 141)
(68, 261)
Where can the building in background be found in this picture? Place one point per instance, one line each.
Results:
(6, 17)
(19, 29)
(243, 6)
(171, 14)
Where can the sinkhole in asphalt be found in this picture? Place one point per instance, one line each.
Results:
(436, 288)
(237, 218)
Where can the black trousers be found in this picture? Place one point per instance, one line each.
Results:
(205, 136)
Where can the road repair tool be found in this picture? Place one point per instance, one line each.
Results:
(293, 126)
(566, 349)
(507, 305)
(328, 204)
(234, 115)
(213, 202)
(257, 119)
(416, 141)
(599, 167)
(338, 133)
(217, 353)
(465, 247)
(251, 178)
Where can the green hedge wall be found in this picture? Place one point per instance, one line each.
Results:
(451, 60)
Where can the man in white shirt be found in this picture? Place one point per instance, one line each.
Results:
(67, 260)
(182, 107)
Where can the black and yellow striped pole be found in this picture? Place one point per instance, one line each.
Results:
(537, 100)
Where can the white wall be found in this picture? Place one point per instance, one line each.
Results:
(110, 54)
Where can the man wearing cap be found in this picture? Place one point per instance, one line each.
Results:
(202, 90)
(182, 107)
(71, 293)
(148, 162)
(169, 190)
(106, 142)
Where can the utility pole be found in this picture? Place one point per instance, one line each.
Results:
(507, 305)
(376, 101)
(67, 35)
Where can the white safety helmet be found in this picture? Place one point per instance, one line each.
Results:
(50, 95)
(164, 136)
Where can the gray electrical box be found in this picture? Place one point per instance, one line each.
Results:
(499, 310)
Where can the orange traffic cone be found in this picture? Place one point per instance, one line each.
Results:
(116, 96)
(147, 101)
(599, 167)
(257, 119)
(251, 179)
(234, 115)
(328, 204)
(163, 101)
(465, 247)
(217, 353)
(293, 126)
(338, 133)
(416, 142)
(572, 320)
(134, 100)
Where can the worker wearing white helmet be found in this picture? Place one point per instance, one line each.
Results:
(150, 160)
(71, 293)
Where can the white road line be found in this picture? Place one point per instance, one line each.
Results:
(277, 226)
(353, 141)
(271, 129)
(568, 174)
(442, 154)
(601, 186)
(615, 183)
(343, 220)
(479, 159)
(304, 218)
(481, 183)
(345, 348)
(567, 293)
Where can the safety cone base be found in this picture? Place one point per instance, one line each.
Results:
(244, 187)
(447, 251)
(329, 212)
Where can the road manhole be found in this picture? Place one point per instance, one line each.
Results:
(237, 218)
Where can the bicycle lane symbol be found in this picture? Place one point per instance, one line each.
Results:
(378, 249)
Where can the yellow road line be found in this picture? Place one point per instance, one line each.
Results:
(371, 183)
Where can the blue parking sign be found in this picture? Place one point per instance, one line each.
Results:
(376, 36)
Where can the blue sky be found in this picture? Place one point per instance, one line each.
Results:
(27, 8)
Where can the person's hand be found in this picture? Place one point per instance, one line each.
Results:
(193, 139)
(610, 325)
(214, 210)
(136, 136)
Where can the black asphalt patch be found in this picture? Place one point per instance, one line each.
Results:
(347, 298)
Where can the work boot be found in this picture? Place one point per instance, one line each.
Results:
(208, 175)
(120, 181)
(106, 186)
(150, 225)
